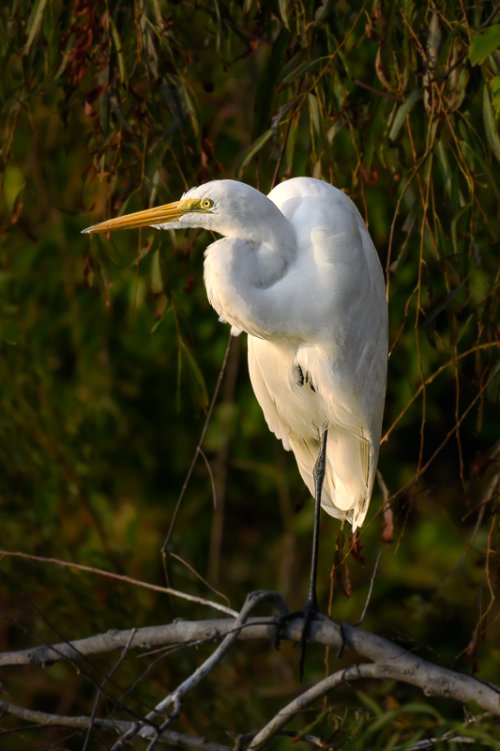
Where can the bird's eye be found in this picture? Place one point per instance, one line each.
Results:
(206, 203)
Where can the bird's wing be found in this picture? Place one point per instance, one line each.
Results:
(264, 361)
(351, 369)
(343, 324)
(333, 301)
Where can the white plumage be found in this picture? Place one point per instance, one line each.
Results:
(298, 272)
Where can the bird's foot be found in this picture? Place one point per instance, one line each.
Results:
(308, 614)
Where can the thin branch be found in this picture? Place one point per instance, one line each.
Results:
(393, 671)
(120, 578)
(169, 737)
(370, 590)
(100, 688)
(377, 92)
(449, 363)
(451, 736)
(423, 468)
(174, 698)
(438, 742)
(197, 451)
(198, 576)
(352, 673)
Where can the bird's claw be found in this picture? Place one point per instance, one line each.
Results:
(343, 640)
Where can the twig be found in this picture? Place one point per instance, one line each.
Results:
(197, 451)
(174, 698)
(198, 576)
(354, 672)
(393, 671)
(119, 577)
(449, 363)
(169, 738)
(433, 742)
(377, 92)
(100, 688)
(370, 590)
(451, 736)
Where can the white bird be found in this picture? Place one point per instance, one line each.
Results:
(298, 272)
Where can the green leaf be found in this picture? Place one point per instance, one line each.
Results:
(495, 94)
(283, 6)
(314, 113)
(34, 23)
(194, 371)
(266, 89)
(484, 43)
(291, 144)
(156, 275)
(189, 108)
(373, 142)
(254, 149)
(323, 12)
(490, 125)
(13, 183)
(299, 70)
(402, 112)
(370, 703)
(118, 49)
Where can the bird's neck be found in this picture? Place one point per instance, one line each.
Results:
(240, 271)
(270, 232)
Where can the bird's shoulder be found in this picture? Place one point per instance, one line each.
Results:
(325, 219)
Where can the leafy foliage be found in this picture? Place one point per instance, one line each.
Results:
(109, 351)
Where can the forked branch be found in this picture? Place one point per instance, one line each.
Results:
(380, 659)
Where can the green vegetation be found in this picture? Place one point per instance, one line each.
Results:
(109, 351)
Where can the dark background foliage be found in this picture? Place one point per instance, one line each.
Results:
(110, 351)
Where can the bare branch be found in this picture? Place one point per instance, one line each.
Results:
(370, 590)
(174, 698)
(101, 687)
(354, 672)
(197, 452)
(423, 674)
(119, 577)
(168, 737)
(451, 736)
(432, 679)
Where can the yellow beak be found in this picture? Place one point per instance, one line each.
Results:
(169, 212)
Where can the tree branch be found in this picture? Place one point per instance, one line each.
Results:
(168, 737)
(408, 668)
(352, 673)
(174, 698)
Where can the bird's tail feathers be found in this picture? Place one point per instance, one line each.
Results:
(348, 483)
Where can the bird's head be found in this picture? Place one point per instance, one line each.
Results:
(227, 207)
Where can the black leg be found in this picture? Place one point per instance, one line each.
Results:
(311, 604)
(319, 476)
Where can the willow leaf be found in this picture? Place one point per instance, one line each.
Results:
(490, 125)
(34, 23)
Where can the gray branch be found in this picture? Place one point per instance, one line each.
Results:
(432, 679)
(82, 722)
(174, 698)
(382, 659)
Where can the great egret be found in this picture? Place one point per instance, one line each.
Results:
(298, 272)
